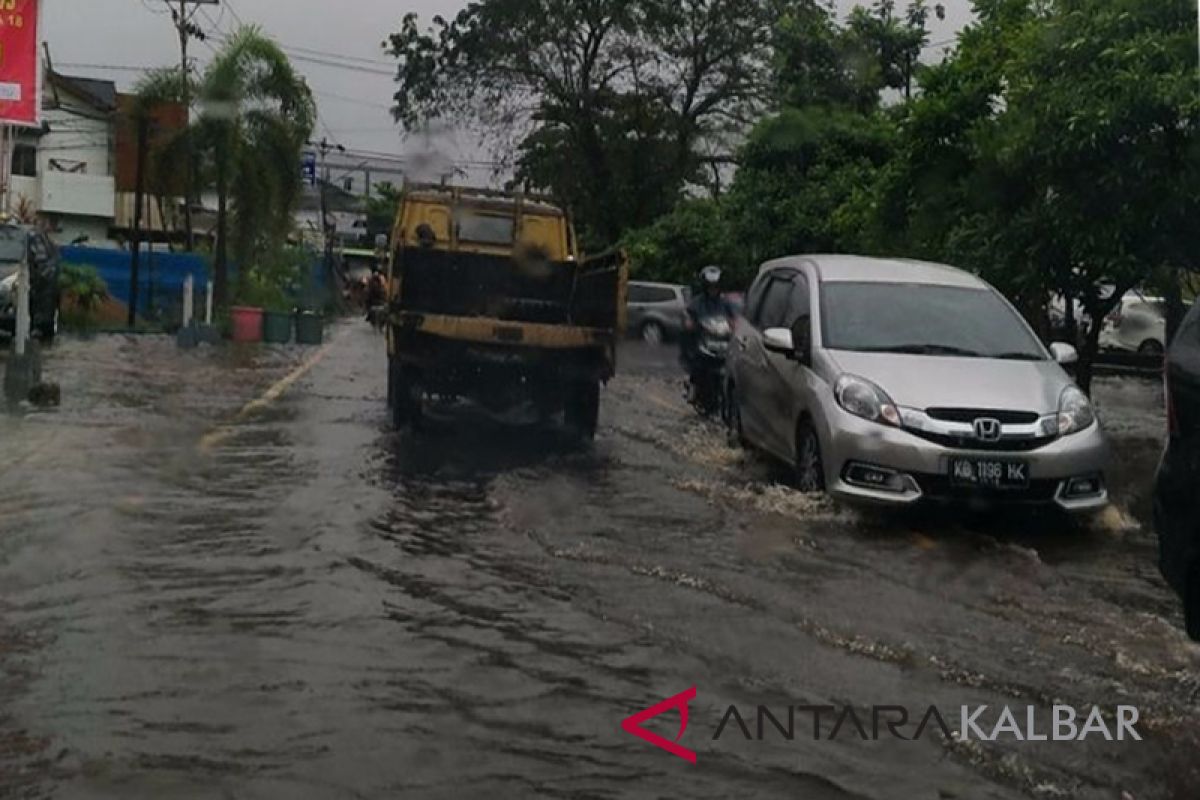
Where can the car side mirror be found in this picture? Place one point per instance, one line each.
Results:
(779, 341)
(1064, 353)
(802, 339)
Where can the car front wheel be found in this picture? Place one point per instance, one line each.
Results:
(1191, 603)
(810, 469)
(652, 333)
(49, 329)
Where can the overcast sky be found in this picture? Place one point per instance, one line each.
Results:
(108, 38)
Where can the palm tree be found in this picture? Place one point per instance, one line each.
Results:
(256, 114)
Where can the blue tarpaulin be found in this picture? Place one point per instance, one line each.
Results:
(160, 276)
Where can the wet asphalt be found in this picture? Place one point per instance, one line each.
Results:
(223, 576)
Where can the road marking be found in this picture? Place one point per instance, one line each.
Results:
(219, 434)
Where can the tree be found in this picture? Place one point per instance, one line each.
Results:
(256, 115)
(1058, 150)
(610, 104)
(382, 207)
(679, 244)
(800, 173)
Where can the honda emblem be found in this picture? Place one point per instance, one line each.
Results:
(988, 429)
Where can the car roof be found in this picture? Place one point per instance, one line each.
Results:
(864, 269)
(654, 285)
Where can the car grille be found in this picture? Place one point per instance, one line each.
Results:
(972, 443)
(969, 415)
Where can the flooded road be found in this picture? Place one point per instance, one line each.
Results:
(222, 576)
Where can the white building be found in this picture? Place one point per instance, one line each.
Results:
(65, 171)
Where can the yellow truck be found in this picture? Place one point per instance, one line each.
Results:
(489, 300)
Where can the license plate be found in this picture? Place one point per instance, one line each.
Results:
(989, 473)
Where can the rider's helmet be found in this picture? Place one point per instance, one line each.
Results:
(710, 278)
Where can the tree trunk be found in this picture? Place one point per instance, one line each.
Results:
(1085, 370)
(221, 261)
(1175, 308)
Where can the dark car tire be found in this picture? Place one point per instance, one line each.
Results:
(735, 434)
(1191, 603)
(1150, 347)
(652, 333)
(48, 330)
(581, 411)
(809, 468)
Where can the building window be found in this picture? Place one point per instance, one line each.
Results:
(348, 184)
(24, 161)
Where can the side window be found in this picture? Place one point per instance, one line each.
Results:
(754, 299)
(775, 305)
(637, 294)
(798, 304)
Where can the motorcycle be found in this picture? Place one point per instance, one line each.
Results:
(706, 378)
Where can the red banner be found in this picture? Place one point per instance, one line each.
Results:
(20, 71)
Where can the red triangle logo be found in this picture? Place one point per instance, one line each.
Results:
(634, 723)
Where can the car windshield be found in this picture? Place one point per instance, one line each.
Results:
(923, 319)
(12, 242)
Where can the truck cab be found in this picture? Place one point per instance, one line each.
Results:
(489, 300)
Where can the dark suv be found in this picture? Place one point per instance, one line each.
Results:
(44, 273)
(1177, 492)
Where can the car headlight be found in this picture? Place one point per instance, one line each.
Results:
(1075, 412)
(862, 398)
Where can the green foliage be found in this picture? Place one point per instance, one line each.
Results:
(804, 175)
(1058, 150)
(83, 284)
(382, 208)
(679, 244)
(276, 281)
(257, 113)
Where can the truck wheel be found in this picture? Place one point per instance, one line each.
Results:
(1191, 603)
(406, 398)
(582, 409)
(393, 368)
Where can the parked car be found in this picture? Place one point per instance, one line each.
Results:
(1138, 325)
(44, 270)
(656, 310)
(892, 382)
(1177, 488)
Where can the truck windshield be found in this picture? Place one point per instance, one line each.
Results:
(923, 319)
(486, 228)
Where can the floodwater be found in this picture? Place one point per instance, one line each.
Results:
(214, 584)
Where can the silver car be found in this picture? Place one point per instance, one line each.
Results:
(892, 381)
(656, 310)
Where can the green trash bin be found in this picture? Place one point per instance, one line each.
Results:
(310, 328)
(277, 327)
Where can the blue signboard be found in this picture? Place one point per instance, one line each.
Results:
(308, 168)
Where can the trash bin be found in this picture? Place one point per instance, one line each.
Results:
(277, 327)
(247, 324)
(310, 328)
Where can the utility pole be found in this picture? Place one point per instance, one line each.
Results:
(324, 147)
(187, 31)
(139, 198)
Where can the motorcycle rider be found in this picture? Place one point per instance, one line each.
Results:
(706, 302)
(376, 292)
